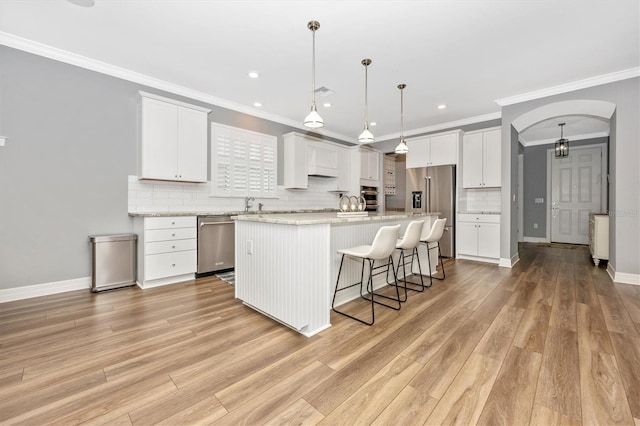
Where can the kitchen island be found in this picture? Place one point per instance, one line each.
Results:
(287, 264)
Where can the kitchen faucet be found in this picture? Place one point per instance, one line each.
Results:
(247, 206)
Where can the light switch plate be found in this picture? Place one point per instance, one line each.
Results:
(3, 140)
(539, 200)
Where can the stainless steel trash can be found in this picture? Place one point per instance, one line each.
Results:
(113, 261)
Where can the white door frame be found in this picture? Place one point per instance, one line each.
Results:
(520, 197)
(603, 180)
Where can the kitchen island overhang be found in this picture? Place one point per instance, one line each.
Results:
(287, 264)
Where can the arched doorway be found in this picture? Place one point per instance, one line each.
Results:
(558, 194)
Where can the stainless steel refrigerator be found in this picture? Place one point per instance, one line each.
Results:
(433, 189)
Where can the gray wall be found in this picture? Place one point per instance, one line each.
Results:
(71, 145)
(624, 157)
(535, 185)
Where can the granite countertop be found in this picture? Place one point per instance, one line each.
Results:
(331, 218)
(229, 213)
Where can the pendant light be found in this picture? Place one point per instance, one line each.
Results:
(562, 144)
(402, 147)
(366, 136)
(313, 119)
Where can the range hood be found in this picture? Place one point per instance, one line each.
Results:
(316, 170)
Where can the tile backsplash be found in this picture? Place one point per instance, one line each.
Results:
(157, 196)
(477, 200)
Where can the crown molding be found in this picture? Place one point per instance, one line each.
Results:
(444, 126)
(54, 53)
(570, 87)
(573, 138)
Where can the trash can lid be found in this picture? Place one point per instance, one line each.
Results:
(112, 237)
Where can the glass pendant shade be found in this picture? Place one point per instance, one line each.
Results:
(402, 147)
(366, 136)
(313, 119)
(562, 144)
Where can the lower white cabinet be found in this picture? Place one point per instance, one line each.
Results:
(479, 236)
(599, 237)
(167, 250)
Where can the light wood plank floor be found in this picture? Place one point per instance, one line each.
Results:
(551, 341)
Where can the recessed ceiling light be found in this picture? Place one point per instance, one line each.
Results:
(326, 105)
(257, 104)
(373, 123)
(442, 106)
(254, 74)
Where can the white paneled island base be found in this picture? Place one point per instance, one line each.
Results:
(287, 264)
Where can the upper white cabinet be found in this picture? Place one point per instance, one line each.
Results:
(343, 182)
(172, 140)
(369, 167)
(481, 163)
(433, 150)
(243, 163)
(296, 174)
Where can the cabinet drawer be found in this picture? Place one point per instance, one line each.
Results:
(169, 246)
(477, 218)
(169, 234)
(169, 222)
(169, 264)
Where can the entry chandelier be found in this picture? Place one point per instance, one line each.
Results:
(562, 144)
(313, 119)
(366, 136)
(402, 147)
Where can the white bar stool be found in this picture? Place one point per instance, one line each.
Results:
(383, 245)
(408, 246)
(432, 240)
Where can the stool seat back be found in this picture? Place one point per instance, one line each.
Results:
(384, 243)
(412, 235)
(437, 229)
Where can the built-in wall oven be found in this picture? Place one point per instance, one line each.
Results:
(216, 244)
(370, 195)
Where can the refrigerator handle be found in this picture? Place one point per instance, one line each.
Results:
(428, 203)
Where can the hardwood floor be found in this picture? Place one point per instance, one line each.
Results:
(551, 341)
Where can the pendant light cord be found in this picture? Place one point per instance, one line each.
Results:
(313, 70)
(366, 100)
(402, 114)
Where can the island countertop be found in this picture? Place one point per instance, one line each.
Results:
(331, 218)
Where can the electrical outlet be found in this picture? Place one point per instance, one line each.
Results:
(249, 247)
(539, 200)
(535, 226)
(3, 140)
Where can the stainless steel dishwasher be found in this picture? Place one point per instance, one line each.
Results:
(216, 244)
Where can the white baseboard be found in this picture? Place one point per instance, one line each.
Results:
(536, 240)
(27, 292)
(508, 263)
(622, 278)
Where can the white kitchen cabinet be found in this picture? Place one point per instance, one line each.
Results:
(296, 174)
(433, 150)
(599, 237)
(479, 236)
(167, 252)
(481, 159)
(243, 163)
(172, 140)
(369, 167)
(343, 182)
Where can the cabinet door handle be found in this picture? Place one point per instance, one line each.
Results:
(173, 264)
(173, 235)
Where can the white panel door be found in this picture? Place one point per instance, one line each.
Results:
(472, 161)
(192, 145)
(575, 192)
(491, 163)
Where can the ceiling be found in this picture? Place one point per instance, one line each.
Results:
(577, 127)
(465, 54)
